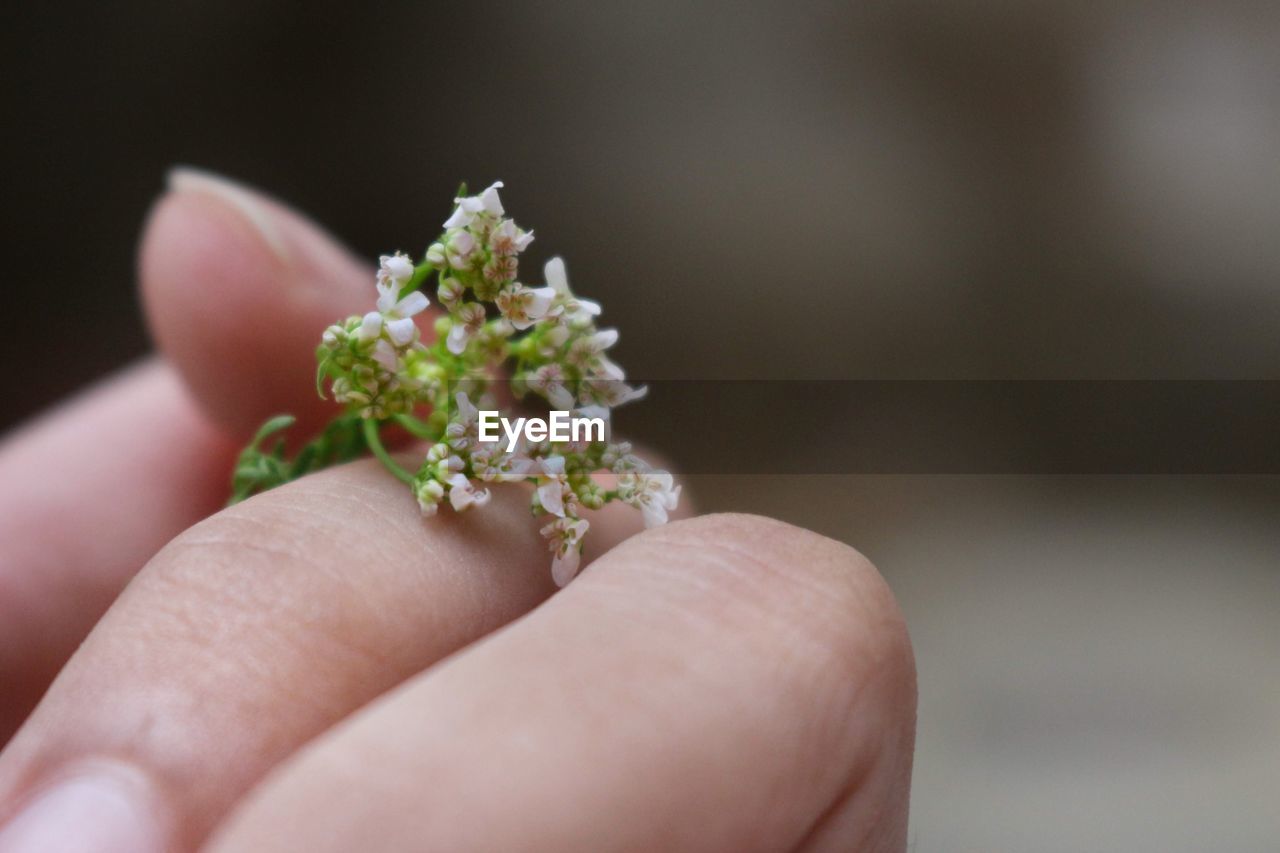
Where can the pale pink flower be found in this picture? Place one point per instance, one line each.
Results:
(462, 495)
(568, 307)
(564, 538)
(654, 493)
(524, 306)
(468, 207)
(467, 322)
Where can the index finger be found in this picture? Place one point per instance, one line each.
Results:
(723, 683)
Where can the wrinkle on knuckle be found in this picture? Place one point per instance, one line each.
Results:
(817, 605)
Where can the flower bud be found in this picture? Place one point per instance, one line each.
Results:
(429, 494)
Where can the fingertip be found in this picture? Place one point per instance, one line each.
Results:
(237, 289)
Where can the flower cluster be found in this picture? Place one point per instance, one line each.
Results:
(543, 338)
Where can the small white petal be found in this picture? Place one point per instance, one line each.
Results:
(601, 412)
(461, 218)
(490, 201)
(461, 498)
(540, 301)
(589, 307)
(385, 354)
(559, 396)
(414, 303)
(555, 275)
(521, 467)
(633, 394)
(551, 497)
(370, 326)
(457, 340)
(604, 339)
(401, 331)
(610, 369)
(388, 293)
(466, 408)
(654, 514)
(462, 243)
(564, 568)
(397, 267)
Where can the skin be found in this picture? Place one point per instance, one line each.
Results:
(319, 669)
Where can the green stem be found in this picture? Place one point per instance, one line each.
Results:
(421, 274)
(374, 441)
(416, 428)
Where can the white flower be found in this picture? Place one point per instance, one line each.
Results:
(467, 411)
(567, 306)
(397, 269)
(564, 537)
(467, 322)
(654, 493)
(524, 306)
(468, 207)
(608, 391)
(508, 239)
(548, 381)
(462, 495)
(494, 466)
(459, 246)
(554, 492)
(589, 349)
(462, 431)
(605, 368)
(394, 314)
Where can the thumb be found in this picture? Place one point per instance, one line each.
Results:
(237, 290)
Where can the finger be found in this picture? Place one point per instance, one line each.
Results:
(238, 289)
(727, 683)
(90, 492)
(87, 494)
(257, 629)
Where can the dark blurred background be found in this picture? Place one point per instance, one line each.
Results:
(905, 189)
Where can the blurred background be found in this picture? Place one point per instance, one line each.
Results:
(909, 189)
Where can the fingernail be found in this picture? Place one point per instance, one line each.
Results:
(184, 179)
(105, 808)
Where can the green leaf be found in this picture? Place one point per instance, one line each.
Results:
(322, 370)
(257, 471)
(272, 426)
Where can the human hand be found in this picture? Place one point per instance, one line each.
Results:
(302, 671)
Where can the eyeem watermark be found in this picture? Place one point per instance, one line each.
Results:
(559, 426)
